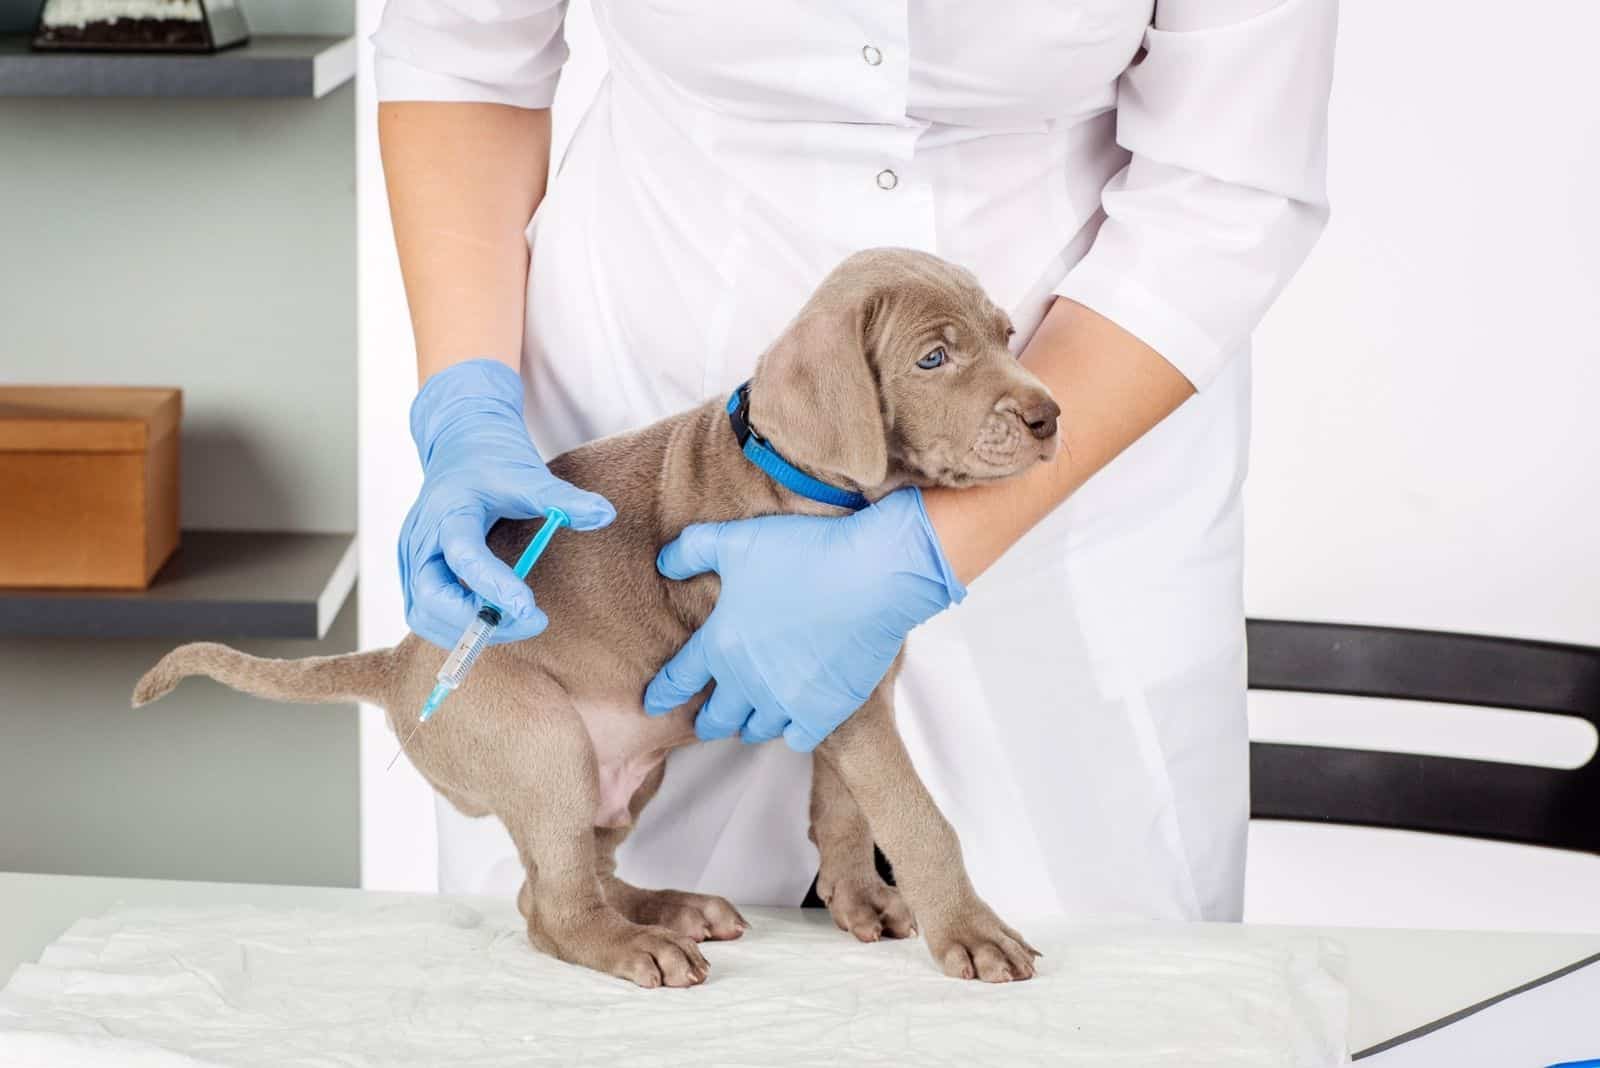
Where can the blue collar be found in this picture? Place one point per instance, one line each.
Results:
(781, 471)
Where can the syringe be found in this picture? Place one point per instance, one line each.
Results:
(476, 636)
(472, 641)
(461, 658)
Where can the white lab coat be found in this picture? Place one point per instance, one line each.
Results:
(1080, 718)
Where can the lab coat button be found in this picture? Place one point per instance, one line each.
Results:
(887, 179)
(871, 55)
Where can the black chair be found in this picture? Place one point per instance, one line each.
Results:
(1506, 802)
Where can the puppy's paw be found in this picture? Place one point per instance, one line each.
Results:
(643, 955)
(654, 956)
(606, 941)
(700, 917)
(976, 944)
(868, 908)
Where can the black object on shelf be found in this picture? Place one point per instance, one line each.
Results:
(219, 584)
(268, 66)
(140, 26)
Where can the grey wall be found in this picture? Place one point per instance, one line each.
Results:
(207, 244)
(203, 784)
(17, 15)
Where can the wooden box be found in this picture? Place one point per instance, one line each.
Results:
(88, 485)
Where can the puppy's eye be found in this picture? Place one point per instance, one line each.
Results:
(932, 359)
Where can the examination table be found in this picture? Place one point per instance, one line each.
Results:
(144, 972)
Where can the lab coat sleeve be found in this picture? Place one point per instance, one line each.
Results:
(1225, 117)
(480, 51)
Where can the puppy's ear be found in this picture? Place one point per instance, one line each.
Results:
(815, 394)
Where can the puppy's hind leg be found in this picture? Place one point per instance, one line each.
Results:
(537, 773)
(696, 916)
(847, 875)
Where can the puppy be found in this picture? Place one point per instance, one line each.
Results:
(550, 734)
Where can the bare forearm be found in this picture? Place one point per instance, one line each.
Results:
(463, 180)
(1112, 388)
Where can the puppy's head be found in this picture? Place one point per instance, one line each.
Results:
(896, 372)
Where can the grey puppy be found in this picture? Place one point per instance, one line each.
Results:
(550, 734)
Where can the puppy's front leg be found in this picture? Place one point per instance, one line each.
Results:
(963, 933)
(847, 873)
(537, 767)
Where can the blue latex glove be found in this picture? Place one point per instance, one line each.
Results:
(810, 617)
(477, 466)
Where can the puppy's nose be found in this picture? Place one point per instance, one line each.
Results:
(1041, 418)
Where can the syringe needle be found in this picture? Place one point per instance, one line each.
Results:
(412, 733)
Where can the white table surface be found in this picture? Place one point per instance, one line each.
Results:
(1399, 979)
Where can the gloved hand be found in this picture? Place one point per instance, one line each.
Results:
(477, 466)
(811, 614)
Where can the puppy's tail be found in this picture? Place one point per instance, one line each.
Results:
(327, 679)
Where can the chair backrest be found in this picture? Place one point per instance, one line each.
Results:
(1475, 798)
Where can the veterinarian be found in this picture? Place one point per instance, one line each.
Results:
(1134, 182)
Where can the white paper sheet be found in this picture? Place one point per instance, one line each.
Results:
(1554, 1022)
(440, 983)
